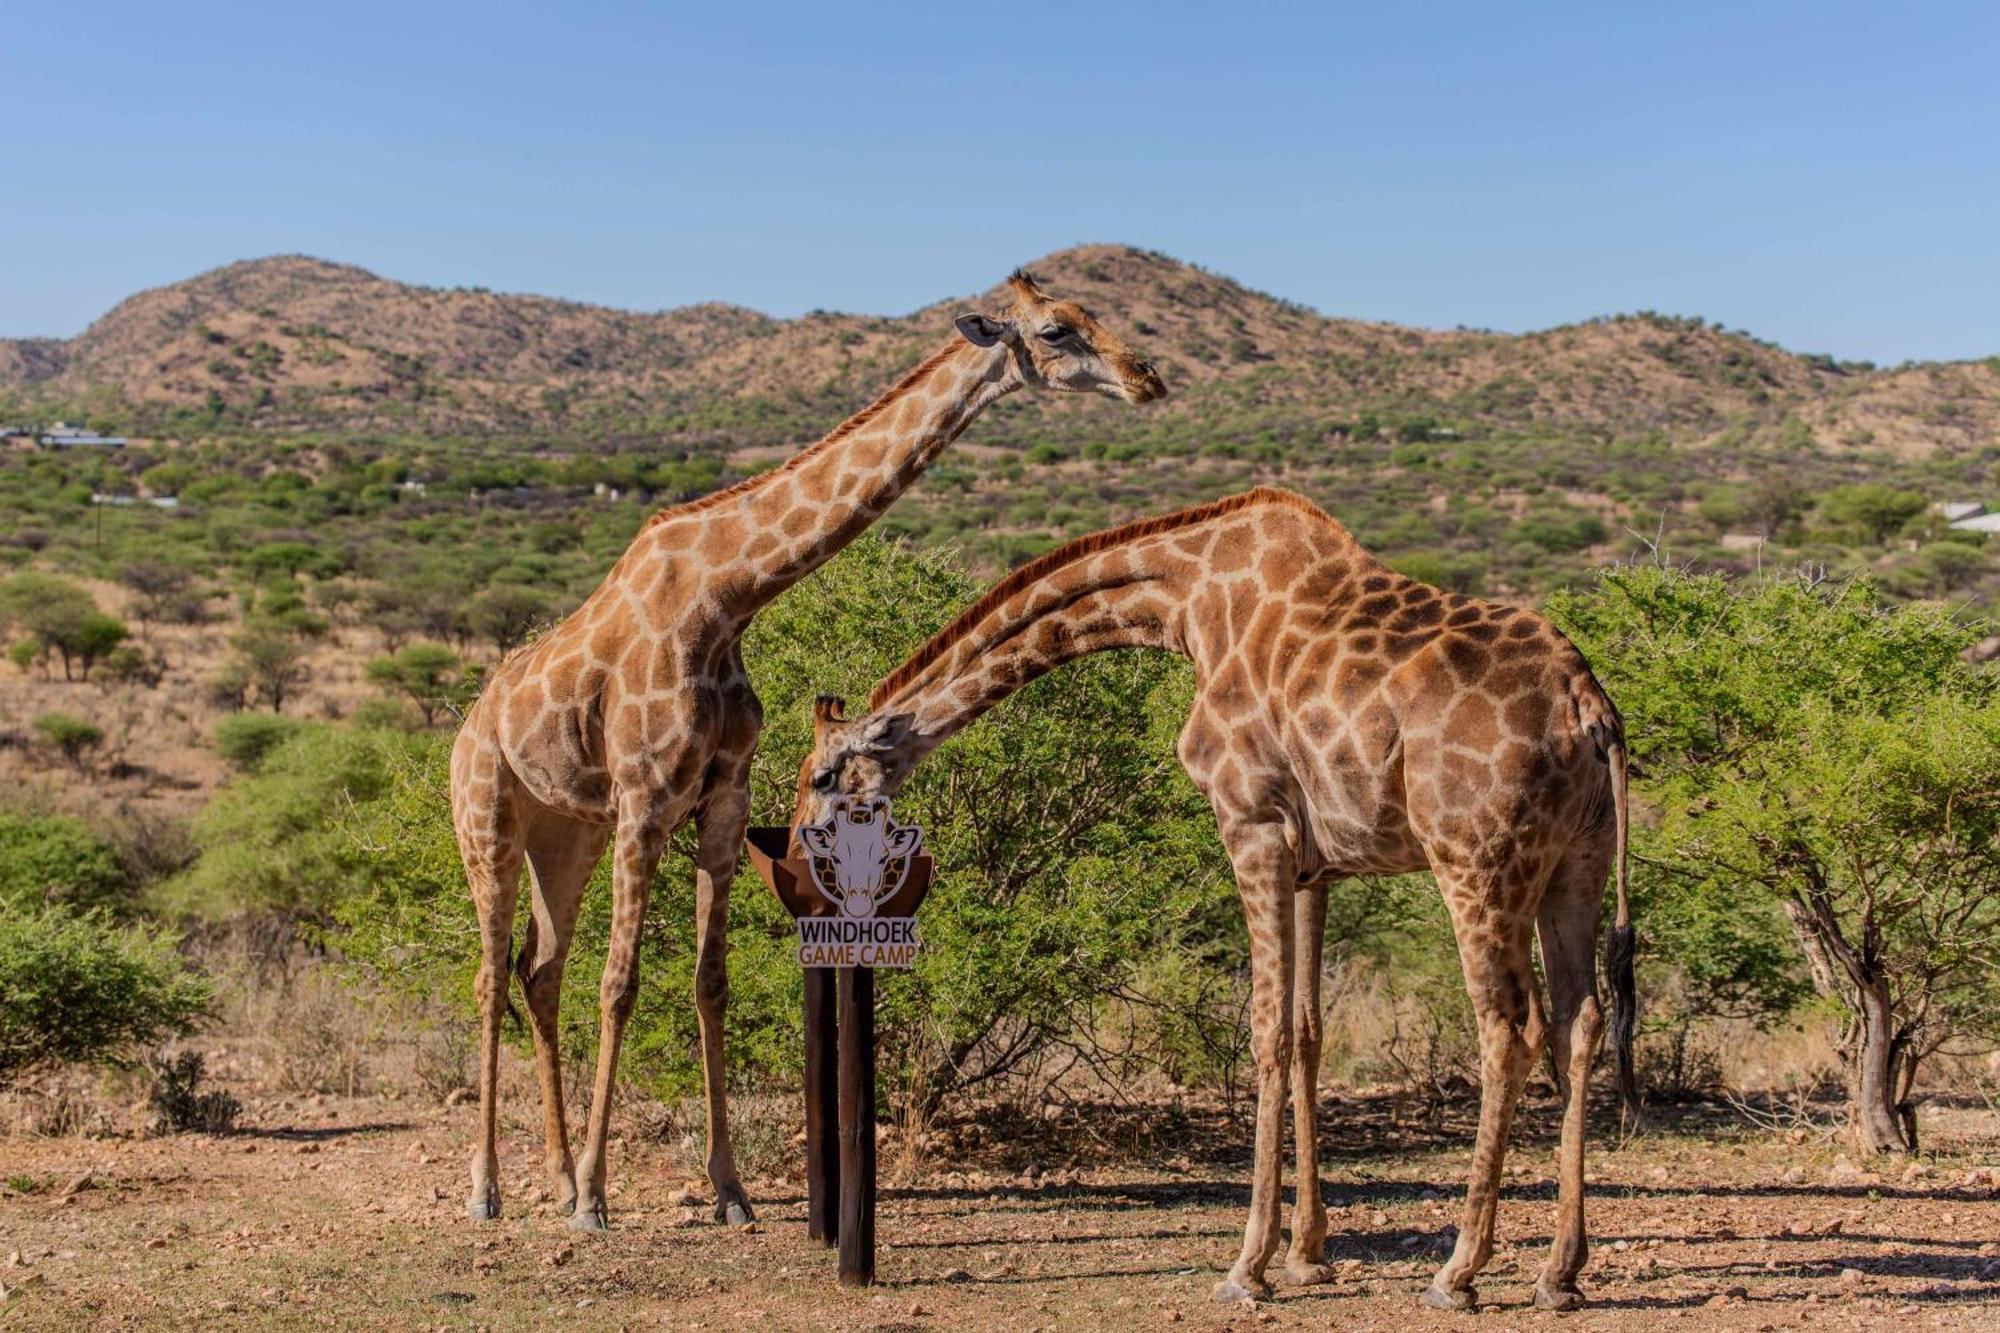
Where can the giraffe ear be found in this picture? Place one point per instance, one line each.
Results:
(981, 331)
(829, 708)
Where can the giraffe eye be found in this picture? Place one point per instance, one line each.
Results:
(1057, 333)
(823, 780)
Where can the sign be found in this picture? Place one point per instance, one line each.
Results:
(854, 888)
(859, 858)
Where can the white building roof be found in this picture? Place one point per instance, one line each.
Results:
(1979, 523)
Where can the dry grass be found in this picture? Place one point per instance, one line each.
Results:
(159, 752)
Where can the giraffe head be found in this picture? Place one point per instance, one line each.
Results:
(1058, 345)
(860, 758)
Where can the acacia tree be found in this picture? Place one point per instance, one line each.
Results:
(272, 658)
(505, 612)
(156, 588)
(62, 617)
(427, 674)
(1816, 752)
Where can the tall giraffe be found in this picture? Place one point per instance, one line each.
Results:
(634, 714)
(1346, 721)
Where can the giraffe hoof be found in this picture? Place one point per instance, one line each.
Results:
(1558, 1298)
(1231, 1292)
(732, 1207)
(484, 1207)
(1301, 1274)
(590, 1218)
(1437, 1298)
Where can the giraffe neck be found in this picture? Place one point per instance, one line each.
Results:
(1147, 585)
(795, 518)
(1126, 597)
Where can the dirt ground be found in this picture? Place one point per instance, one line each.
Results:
(349, 1213)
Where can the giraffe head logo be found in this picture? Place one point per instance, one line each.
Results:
(859, 854)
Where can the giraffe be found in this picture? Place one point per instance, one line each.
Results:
(1346, 721)
(634, 715)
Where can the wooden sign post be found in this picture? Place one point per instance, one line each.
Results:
(854, 887)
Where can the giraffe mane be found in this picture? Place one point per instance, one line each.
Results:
(833, 437)
(1069, 553)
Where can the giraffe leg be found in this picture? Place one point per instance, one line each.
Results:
(1499, 975)
(1568, 929)
(636, 849)
(561, 855)
(723, 819)
(1304, 1264)
(1265, 882)
(490, 847)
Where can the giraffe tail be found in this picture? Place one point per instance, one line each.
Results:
(1599, 720)
(1621, 943)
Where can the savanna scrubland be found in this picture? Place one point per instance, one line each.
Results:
(235, 946)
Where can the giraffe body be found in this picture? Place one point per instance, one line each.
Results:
(1346, 721)
(635, 714)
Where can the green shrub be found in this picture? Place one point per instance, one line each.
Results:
(56, 859)
(273, 839)
(427, 674)
(1069, 847)
(75, 736)
(75, 986)
(1827, 768)
(245, 738)
(24, 652)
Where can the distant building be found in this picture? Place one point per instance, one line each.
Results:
(62, 435)
(1951, 511)
(1978, 523)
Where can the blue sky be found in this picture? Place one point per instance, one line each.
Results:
(1827, 175)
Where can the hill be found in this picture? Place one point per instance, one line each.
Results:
(299, 344)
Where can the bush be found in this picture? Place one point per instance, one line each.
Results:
(60, 615)
(183, 1110)
(271, 657)
(427, 674)
(25, 652)
(75, 986)
(245, 738)
(273, 840)
(55, 859)
(505, 612)
(1069, 847)
(75, 736)
(1828, 768)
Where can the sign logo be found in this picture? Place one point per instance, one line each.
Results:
(858, 857)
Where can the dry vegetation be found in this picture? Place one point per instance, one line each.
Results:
(301, 341)
(328, 1209)
(158, 754)
(315, 403)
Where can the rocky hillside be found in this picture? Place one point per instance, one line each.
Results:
(293, 343)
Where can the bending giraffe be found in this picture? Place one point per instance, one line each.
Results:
(634, 715)
(1346, 721)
